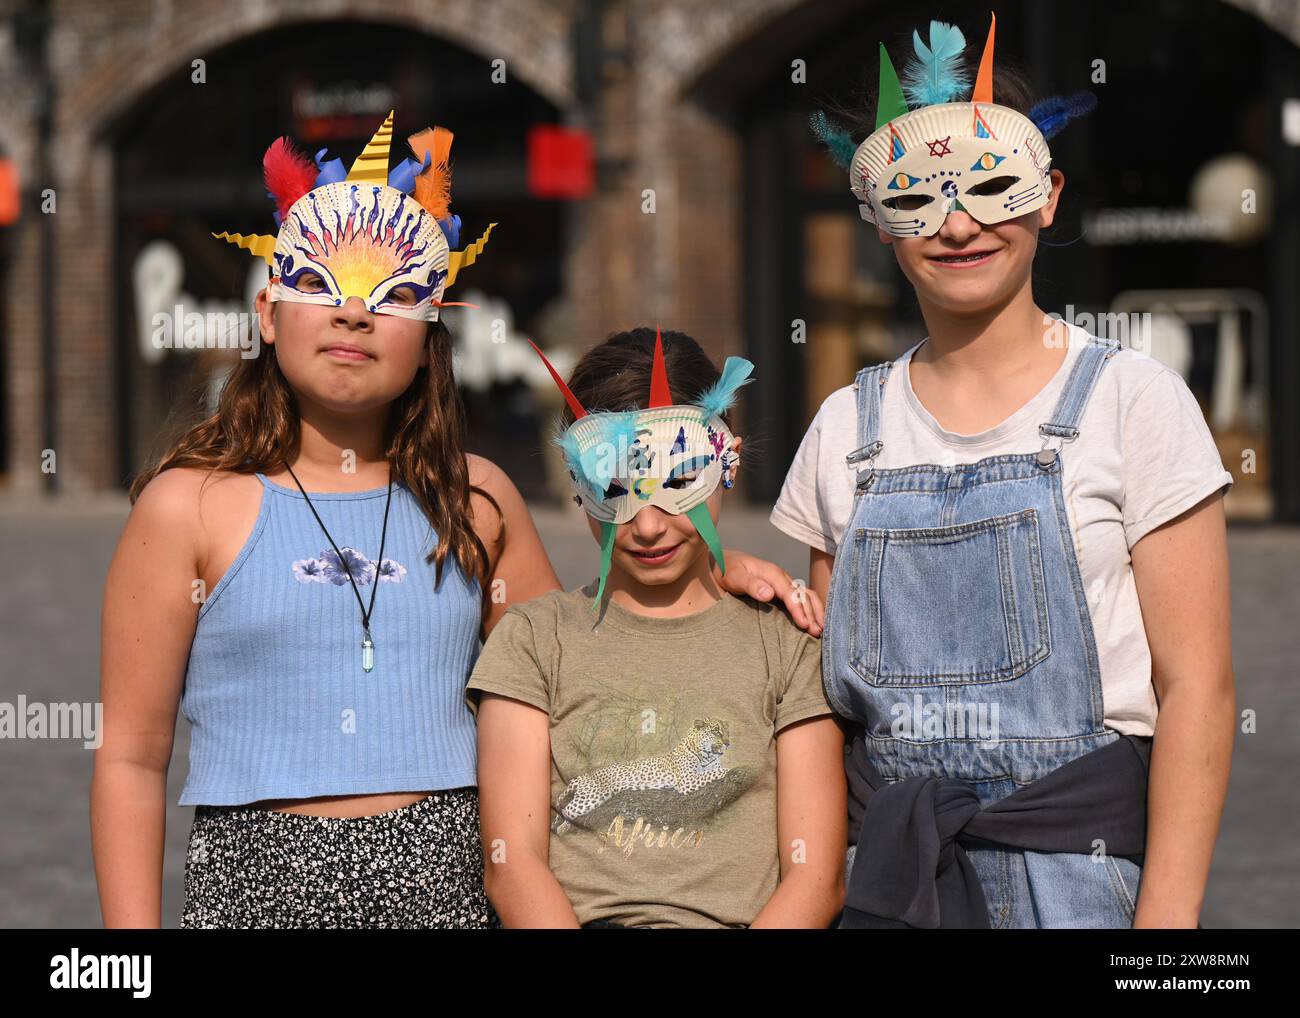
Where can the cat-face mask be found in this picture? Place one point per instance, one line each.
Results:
(939, 155)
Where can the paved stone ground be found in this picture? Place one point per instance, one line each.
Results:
(56, 557)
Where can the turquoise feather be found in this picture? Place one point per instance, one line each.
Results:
(936, 74)
(568, 443)
(718, 398)
(615, 434)
(837, 140)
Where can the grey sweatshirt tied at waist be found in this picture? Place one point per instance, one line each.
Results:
(911, 871)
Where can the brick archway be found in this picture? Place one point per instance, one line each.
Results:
(102, 67)
(505, 29)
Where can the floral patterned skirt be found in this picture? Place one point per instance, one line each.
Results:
(420, 866)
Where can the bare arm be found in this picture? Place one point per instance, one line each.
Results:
(520, 567)
(514, 780)
(820, 564)
(811, 812)
(1181, 570)
(148, 625)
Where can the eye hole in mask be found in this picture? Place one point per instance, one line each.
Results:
(988, 188)
(686, 473)
(403, 294)
(907, 202)
(305, 280)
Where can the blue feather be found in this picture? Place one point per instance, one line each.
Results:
(615, 434)
(1050, 115)
(937, 74)
(718, 398)
(568, 443)
(837, 140)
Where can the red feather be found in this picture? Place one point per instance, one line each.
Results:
(288, 173)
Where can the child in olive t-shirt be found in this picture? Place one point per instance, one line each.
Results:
(654, 751)
(663, 748)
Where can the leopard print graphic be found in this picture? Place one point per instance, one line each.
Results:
(694, 762)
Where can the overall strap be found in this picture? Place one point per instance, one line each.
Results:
(868, 384)
(1064, 422)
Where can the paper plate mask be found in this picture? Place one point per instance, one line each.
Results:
(383, 237)
(941, 156)
(668, 455)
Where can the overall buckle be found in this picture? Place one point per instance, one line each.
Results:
(868, 453)
(1048, 453)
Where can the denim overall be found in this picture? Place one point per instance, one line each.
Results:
(958, 636)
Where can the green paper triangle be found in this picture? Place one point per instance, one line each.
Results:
(704, 525)
(890, 105)
(607, 532)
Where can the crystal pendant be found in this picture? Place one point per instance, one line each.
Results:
(367, 652)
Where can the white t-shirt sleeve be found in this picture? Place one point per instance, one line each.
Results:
(1169, 456)
(799, 510)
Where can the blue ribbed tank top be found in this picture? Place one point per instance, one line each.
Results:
(279, 705)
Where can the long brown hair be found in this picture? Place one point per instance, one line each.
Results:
(256, 428)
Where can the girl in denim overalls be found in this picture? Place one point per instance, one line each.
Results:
(960, 637)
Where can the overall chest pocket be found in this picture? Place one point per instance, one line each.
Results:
(943, 606)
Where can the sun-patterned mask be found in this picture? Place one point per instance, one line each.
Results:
(385, 238)
(941, 156)
(669, 455)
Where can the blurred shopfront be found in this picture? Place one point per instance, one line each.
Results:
(1179, 225)
(649, 163)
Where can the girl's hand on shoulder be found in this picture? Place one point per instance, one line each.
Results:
(762, 580)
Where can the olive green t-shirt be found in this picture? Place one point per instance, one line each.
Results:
(663, 748)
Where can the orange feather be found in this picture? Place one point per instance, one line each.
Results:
(433, 186)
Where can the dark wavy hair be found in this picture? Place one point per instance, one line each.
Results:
(616, 374)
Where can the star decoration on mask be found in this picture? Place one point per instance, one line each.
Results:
(940, 146)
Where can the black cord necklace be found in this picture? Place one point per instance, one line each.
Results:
(367, 644)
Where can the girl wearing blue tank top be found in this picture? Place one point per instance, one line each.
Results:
(308, 574)
(1019, 530)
